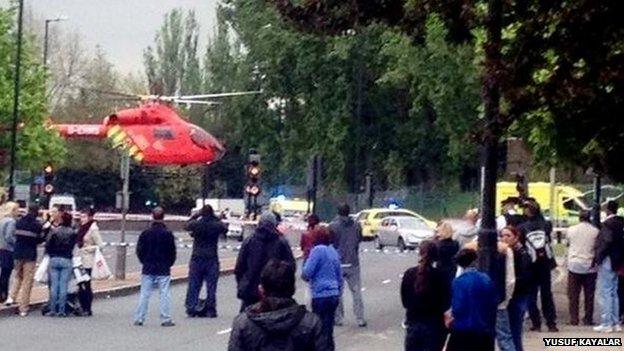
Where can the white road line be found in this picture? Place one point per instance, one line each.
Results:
(224, 331)
(386, 281)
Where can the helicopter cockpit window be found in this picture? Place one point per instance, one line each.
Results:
(163, 133)
(201, 138)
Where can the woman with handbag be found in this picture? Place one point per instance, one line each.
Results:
(88, 241)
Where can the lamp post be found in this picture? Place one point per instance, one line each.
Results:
(45, 38)
(16, 91)
(491, 98)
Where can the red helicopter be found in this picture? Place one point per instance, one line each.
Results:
(154, 133)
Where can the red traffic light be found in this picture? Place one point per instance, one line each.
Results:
(254, 171)
(48, 189)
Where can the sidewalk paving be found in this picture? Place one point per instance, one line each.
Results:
(112, 287)
(533, 341)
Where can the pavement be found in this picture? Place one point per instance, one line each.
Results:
(111, 326)
(534, 341)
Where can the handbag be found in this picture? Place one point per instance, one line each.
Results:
(100, 267)
(41, 274)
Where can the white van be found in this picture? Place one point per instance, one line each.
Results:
(64, 202)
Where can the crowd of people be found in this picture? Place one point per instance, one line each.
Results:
(449, 303)
(66, 246)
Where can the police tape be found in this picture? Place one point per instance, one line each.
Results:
(184, 246)
(180, 246)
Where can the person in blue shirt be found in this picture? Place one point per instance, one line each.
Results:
(322, 269)
(472, 317)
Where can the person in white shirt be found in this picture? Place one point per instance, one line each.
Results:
(581, 273)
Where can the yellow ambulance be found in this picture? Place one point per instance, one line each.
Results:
(568, 200)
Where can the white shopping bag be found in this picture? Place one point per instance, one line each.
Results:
(41, 274)
(100, 267)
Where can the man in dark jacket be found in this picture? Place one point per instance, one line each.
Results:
(156, 251)
(27, 236)
(277, 322)
(256, 251)
(347, 235)
(205, 230)
(536, 232)
(608, 259)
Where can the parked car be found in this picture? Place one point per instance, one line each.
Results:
(403, 232)
(370, 219)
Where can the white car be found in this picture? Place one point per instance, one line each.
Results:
(403, 232)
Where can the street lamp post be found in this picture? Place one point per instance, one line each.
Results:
(16, 92)
(45, 38)
(491, 98)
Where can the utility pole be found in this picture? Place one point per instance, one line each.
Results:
(120, 262)
(314, 180)
(370, 195)
(16, 92)
(554, 216)
(597, 196)
(205, 182)
(45, 37)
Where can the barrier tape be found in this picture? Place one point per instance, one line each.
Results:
(184, 246)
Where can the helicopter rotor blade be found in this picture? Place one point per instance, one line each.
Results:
(196, 102)
(113, 93)
(216, 95)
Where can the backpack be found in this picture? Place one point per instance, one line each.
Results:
(538, 247)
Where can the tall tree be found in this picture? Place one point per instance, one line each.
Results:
(172, 65)
(523, 42)
(36, 144)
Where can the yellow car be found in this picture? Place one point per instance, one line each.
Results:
(370, 220)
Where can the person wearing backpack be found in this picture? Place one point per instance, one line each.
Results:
(608, 259)
(256, 251)
(536, 232)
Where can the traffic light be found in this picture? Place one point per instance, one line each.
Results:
(48, 178)
(253, 174)
(253, 189)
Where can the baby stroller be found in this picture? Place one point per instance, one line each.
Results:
(72, 307)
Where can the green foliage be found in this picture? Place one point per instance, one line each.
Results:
(316, 82)
(37, 144)
(172, 65)
(444, 88)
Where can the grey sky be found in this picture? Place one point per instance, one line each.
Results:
(123, 28)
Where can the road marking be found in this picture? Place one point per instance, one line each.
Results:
(363, 289)
(224, 331)
(386, 281)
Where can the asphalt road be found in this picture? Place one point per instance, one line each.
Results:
(111, 326)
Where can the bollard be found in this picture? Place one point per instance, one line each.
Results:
(120, 261)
